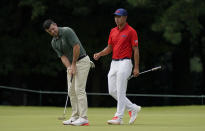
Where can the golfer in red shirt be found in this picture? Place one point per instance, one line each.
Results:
(123, 41)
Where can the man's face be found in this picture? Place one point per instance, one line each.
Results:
(120, 20)
(53, 30)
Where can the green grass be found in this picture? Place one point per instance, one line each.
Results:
(173, 118)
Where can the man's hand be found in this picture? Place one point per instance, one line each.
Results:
(96, 56)
(73, 69)
(104, 52)
(136, 72)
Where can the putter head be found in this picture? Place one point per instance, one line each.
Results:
(61, 118)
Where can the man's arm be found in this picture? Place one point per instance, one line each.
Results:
(136, 61)
(65, 61)
(76, 53)
(104, 52)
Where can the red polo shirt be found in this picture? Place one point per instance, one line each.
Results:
(122, 42)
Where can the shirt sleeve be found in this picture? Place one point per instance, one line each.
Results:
(59, 53)
(71, 37)
(134, 38)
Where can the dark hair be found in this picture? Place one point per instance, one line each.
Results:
(47, 23)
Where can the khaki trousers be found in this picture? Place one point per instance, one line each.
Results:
(76, 91)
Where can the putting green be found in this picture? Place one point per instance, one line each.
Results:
(173, 118)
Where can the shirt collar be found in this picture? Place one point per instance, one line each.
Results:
(123, 27)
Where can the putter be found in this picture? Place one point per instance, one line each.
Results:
(153, 69)
(63, 116)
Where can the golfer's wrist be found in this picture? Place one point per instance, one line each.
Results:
(69, 68)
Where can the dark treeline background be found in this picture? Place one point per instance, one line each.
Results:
(171, 33)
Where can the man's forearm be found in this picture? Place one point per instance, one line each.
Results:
(136, 57)
(106, 51)
(76, 53)
(65, 61)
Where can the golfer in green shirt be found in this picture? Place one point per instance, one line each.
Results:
(72, 54)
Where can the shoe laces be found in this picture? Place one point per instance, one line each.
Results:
(72, 119)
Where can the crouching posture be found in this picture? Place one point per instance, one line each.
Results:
(72, 54)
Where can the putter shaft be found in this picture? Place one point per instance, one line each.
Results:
(63, 117)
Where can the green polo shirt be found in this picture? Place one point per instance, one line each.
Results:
(63, 44)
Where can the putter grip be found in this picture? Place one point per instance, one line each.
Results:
(71, 79)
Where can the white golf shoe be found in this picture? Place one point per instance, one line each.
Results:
(69, 121)
(80, 122)
(115, 121)
(133, 114)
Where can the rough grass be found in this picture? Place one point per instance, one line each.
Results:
(173, 118)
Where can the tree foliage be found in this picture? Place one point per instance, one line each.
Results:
(181, 16)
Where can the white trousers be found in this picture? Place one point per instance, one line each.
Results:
(117, 85)
(76, 92)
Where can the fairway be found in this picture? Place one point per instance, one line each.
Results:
(173, 118)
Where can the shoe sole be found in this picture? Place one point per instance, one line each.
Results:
(85, 124)
(114, 123)
(118, 123)
(66, 124)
